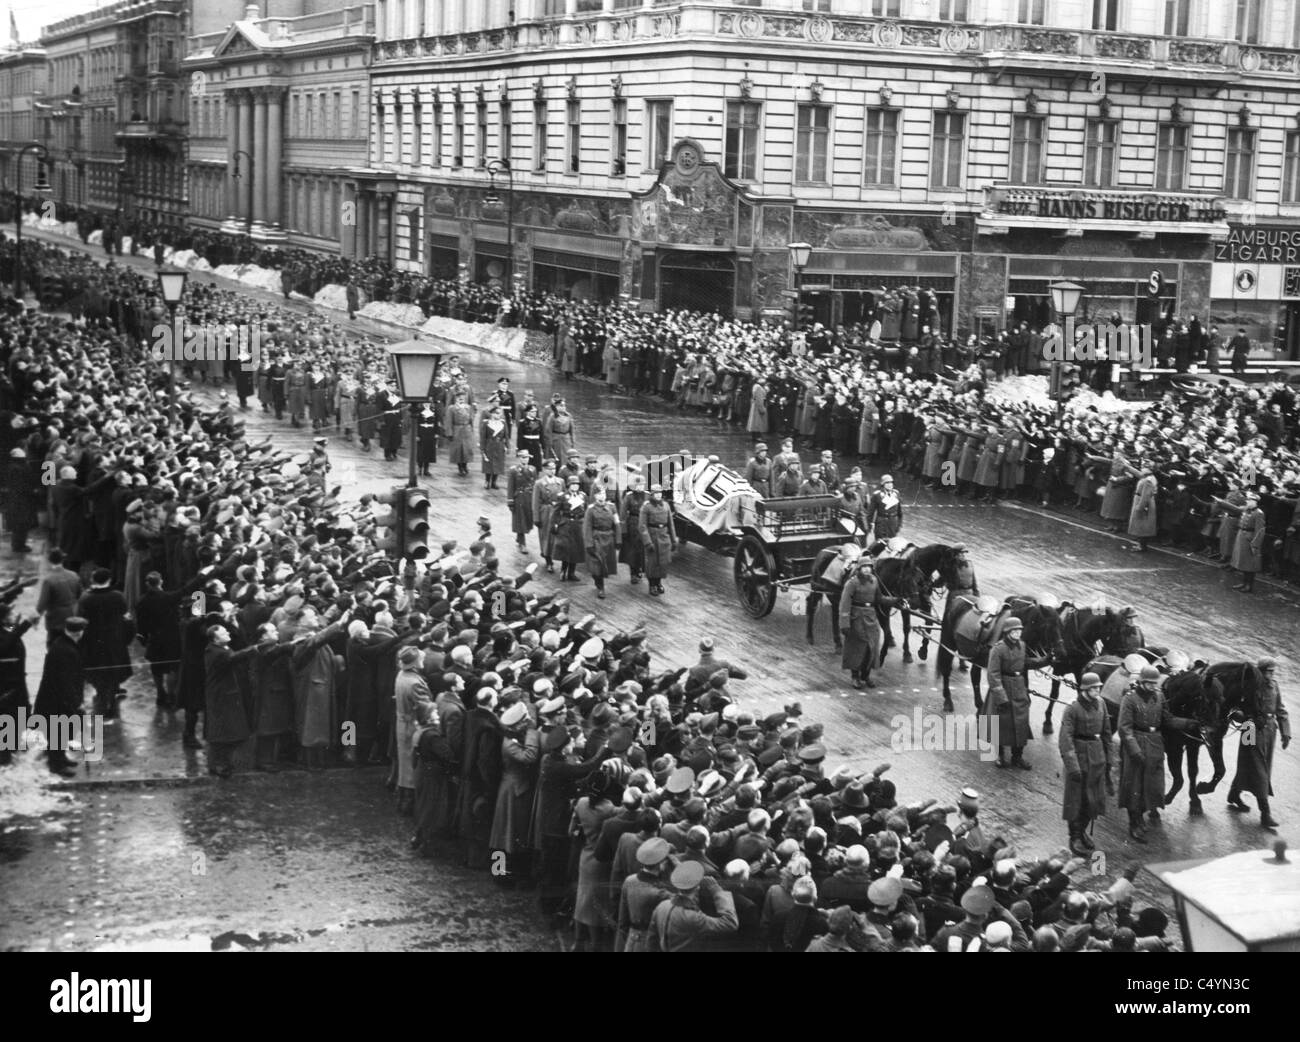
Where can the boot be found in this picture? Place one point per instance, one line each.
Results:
(1018, 760)
(1136, 832)
(1077, 846)
(1265, 818)
(1236, 803)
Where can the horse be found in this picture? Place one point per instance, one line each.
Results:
(900, 577)
(971, 633)
(937, 562)
(1210, 696)
(819, 587)
(1081, 630)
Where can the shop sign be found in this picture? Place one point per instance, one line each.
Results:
(1256, 244)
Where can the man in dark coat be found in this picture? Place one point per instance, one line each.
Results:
(1008, 697)
(57, 598)
(1086, 757)
(439, 755)
(1258, 743)
(480, 776)
(226, 725)
(658, 538)
(18, 495)
(157, 622)
(885, 510)
(105, 651)
(63, 684)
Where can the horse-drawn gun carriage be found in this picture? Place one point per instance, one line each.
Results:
(773, 541)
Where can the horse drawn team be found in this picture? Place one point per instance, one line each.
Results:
(1160, 703)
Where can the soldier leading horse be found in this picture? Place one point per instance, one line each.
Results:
(971, 633)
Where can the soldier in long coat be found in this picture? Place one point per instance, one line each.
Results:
(860, 624)
(632, 552)
(758, 472)
(296, 388)
(315, 672)
(520, 747)
(520, 480)
(1258, 745)
(426, 439)
(601, 534)
(1086, 758)
(368, 410)
(658, 538)
(272, 678)
(414, 708)
(346, 392)
(1229, 510)
(570, 509)
(932, 465)
(105, 649)
(1143, 522)
(988, 471)
(1117, 500)
(460, 431)
(885, 509)
(1142, 716)
(1248, 547)
(1008, 696)
(547, 492)
(391, 419)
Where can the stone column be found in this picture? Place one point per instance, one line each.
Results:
(231, 102)
(259, 152)
(363, 224)
(246, 143)
(274, 150)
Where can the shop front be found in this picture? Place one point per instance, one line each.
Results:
(1255, 286)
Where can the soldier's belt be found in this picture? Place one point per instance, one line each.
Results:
(1087, 738)
(1147, 730)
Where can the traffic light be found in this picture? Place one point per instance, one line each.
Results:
(416, 524)
(1062, 381)
(389, 523)
(1054, 381)
(806, 315)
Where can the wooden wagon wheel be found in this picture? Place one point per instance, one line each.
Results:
(755, 571)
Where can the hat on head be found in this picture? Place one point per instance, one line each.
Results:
(687, 876)
(75, 624)
(978, 900)
(514, 716)
(652, 852)
(811, 754)
(620, 740)
(1149, 674)
(555, 739)
(1012, 624)
(680, 781)
(884, 892)
(1089, 680)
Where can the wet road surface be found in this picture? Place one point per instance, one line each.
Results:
(320, 861)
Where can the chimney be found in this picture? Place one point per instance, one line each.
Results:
(252, 13)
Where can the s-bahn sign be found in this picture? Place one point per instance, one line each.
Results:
(1258, 244)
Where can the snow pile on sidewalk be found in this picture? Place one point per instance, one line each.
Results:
(396, 314)
(25, 784)
(1032, 390)
(251, 275)
(189, 259)
(500, 340)
(332, 296)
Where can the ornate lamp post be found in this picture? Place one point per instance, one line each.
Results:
(171, 283)
(502, 167)
(415, 367)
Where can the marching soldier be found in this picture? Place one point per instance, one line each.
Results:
(759, 471)
(658, 538)
(1248, 549)
(633, 554)
(600, 538)
(1008, 698)
(1142, 714)
(859, 624)
(1086, 756)
(547, 492)
(885, 510)
(1258, 741)
(520, 480)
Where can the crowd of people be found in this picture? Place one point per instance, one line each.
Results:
(649, 808)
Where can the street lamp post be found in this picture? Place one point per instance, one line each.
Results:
(248, 218)
(495, 167)
(1065, 302)
(415, 368)
(41, 185)
(171, 283)
(800, 252)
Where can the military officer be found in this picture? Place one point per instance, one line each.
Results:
(759, 471)
(633, 553)
(1249, 545)
(659, 540)
(1142, 714)
(814, 485)
(1008, 699)
(520, 480)
(830, 470)
(427, 438)
(859, 623)
(1086, 757)
(641, 894)
(547, 492)
(885, 510)
(1258, 741)
(600, 538)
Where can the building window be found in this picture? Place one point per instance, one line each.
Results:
(881, 146)
(417, 135)
(1099, 153)
(397, 132)
(1105, 15)
(658, 133)
(356, 113)
(950, 10)
(458, 135)
(946, 143)
(1171, 157)
(1240, 163)
(741, 152)
(1291, 168)
(1248, 18)
(413, 234)
(1027, 150)
(824, 6)
(379, 128)
(507, 121)
(573, 136)
(1177, 16)
(1030, 12)
(480, 134)
(435, 117)
(812, 143)
(539, 135)
(618, 141)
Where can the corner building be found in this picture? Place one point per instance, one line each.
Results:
(671, 151)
